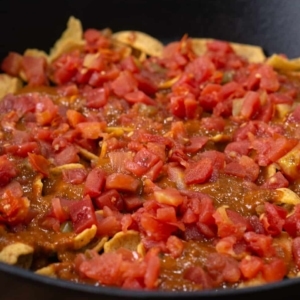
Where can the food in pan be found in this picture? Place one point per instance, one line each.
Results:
(128, 163)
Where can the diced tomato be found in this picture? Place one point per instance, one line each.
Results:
(175, 246)
(108, 225)
(68, 90)
(230, 223)
(218, 160)
(145, 84)
(111, 199)
(91, 130)
(184, 105)
(104, 268)
(206, 211)
(132, 202)
(35, 70)
(199, 276)
(50, 223)
(274, 218)
(97, 79)
(74, 117)
(128, 63)
(154, 171)
(124, 84)
(166, 214)
(199, 172)
(152, 268)
(219, 46)
(60, 214)
(259, 243)
(65, 67)
(95, 40)
(67, 155)
(250, 266)
(279, 98)
(292, 222)
(268, 78)
(74, 176)
(196, 143)
(157, 230)
(12, 63)
(13, 210)
(22, 150)
(96, 98)
(39, 163)
(274, 270)
(245, 168)
(232, 90)
(45, 111)
(251, 104)
(95, 182)
(213, 123)
(201, 68)
(82, 214)
(8, 170)
(222, 267)
(210, 96)
(234, 149)
(122, 182)
(139, 97)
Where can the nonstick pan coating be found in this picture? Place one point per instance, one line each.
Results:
(273, 24)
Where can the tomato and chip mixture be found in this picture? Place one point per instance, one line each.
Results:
(128, 163)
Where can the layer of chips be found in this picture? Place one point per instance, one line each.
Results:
(252, 53)
(18, 254)
(85, 237)
(286, 196)
(49, 271)
(71, 38)
(59, 169)
(140, 41)
(129, 240)
(9, 85)
(282, 63)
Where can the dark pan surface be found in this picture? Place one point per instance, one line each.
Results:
(273, 24)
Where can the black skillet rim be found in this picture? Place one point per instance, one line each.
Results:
(118, 292)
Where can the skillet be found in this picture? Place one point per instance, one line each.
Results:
(272, 24)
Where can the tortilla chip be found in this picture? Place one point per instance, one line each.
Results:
(87, 154)
(36, 53)
(220, 138)
(129, 240)
(70, 39)
(17, 254)
(290, 162)
(253, 54)
(140, 249)
(169, 83)
(286, 196)
(9, 85)
(270, 170)
(59, 169)
(37, 186)
(140, 41)
(85, 237)
(49, 271)
(123, 49)
(279, 62)
(99, 246)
